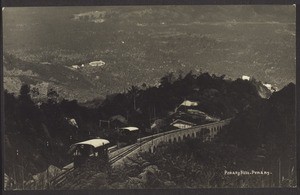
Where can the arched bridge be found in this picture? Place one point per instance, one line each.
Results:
(150, 143)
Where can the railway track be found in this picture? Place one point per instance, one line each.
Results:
(58, 181)
(60, 178)
(125, 153)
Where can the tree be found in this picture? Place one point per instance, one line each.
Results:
(24, 92)
(52, 96)
(25, 104)
(167, 80)
(132, 93)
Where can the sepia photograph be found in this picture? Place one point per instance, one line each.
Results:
(149, 97)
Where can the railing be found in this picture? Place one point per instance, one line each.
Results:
(225, 121)
(147, 142)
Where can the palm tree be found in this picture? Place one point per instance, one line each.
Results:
(132, 94)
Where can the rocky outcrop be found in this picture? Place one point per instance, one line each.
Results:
(41, 180)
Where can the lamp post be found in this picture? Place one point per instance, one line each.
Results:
(47, 171)
(17, 157)
(279, 172)
(21, 167)
(14, 169)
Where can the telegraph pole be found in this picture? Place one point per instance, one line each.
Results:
(47, 171)
(22, 169)
(279, 172)
(17, 153)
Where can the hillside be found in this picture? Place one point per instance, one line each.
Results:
(141, 44)
(42, 133)
(259, 157)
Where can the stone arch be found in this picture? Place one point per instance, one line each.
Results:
(152, 149)
(174, 139)
(193, 134)
(179, 138)
(188, 136)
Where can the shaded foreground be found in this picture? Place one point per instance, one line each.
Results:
(188, 164)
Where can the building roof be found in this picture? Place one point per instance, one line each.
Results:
(196, 112)
(130, 128)
(93, 142)
(97, 63)
(189, 103)
(182, 122)
(244, 77)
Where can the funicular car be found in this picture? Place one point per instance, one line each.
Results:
(128, 135)
(89, 151)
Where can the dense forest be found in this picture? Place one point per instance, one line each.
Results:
(39, 133)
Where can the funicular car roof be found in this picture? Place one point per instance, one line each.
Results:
(93, 142)
(130, 128)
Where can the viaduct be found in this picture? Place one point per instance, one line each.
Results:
(206, 131)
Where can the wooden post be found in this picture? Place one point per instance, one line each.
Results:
(22, 169)
(261, 177)
(279, 172)
(14, 173)
(17, 167)
(47, 179)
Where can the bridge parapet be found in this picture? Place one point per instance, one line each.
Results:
(179, 135)
(208, 125)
